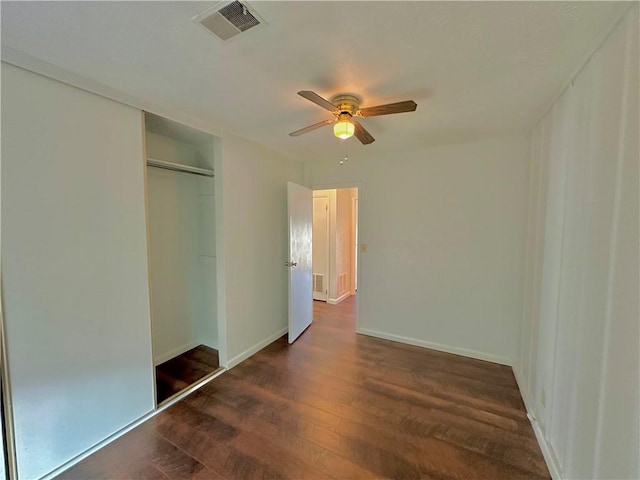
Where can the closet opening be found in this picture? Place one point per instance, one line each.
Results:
(182, 254)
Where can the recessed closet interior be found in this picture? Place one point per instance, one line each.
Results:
(182, 254)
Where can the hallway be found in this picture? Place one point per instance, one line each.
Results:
(336, 405)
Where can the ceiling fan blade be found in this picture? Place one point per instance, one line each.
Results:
(318, 100)
(310, 128)
(361, 134)
(389, 108)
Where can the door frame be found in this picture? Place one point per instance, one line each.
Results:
(360, 186)
(327, 262)
(355, 253)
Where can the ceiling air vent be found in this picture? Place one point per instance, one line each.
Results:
(228, 20)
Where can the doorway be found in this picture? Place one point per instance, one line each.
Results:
(335, 234)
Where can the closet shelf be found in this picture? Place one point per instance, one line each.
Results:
(152, 162)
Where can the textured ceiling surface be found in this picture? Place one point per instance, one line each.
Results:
(476, 69)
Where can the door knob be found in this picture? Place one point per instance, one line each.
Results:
(291, 264)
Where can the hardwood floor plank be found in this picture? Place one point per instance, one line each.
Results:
(216, 456)
(376, 392)
(211, 426)
(206, 355)
(283, 434)
(457, 461)
(275, 456)
(475, 436)
(435, 389)
(138, 454)
(173, 462)
(333, 405)
(420, 424)
(184, 370)
(502, 397)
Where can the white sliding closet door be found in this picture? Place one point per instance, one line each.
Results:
(3, 470)
(74, 268)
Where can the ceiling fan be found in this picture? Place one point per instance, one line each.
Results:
(344, 108)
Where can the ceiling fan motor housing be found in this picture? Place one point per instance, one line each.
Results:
(346, 103)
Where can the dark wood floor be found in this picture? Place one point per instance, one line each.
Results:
(336, 405)
(184, 370)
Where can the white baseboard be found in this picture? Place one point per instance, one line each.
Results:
(548, 453)
(436, 346)
(132, 425)
(256, 348)
(335, 301)
(174, 352)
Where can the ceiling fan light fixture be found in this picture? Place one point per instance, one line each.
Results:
(344, 129)
(344, 107)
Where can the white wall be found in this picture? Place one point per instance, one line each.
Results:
(253, 229)
(74, 259)
(444, 230)
(207, 261)
(578, 366)
(162, 147)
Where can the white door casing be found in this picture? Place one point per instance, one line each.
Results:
(321, 248)
(354, 239)
(300, 214)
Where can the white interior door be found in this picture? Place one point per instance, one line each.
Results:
(321, 248)
(300, 212)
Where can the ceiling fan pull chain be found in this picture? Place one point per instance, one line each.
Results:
(346, 153)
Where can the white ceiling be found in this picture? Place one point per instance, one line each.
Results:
(476, 69)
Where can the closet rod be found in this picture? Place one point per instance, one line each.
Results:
(152, 162)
